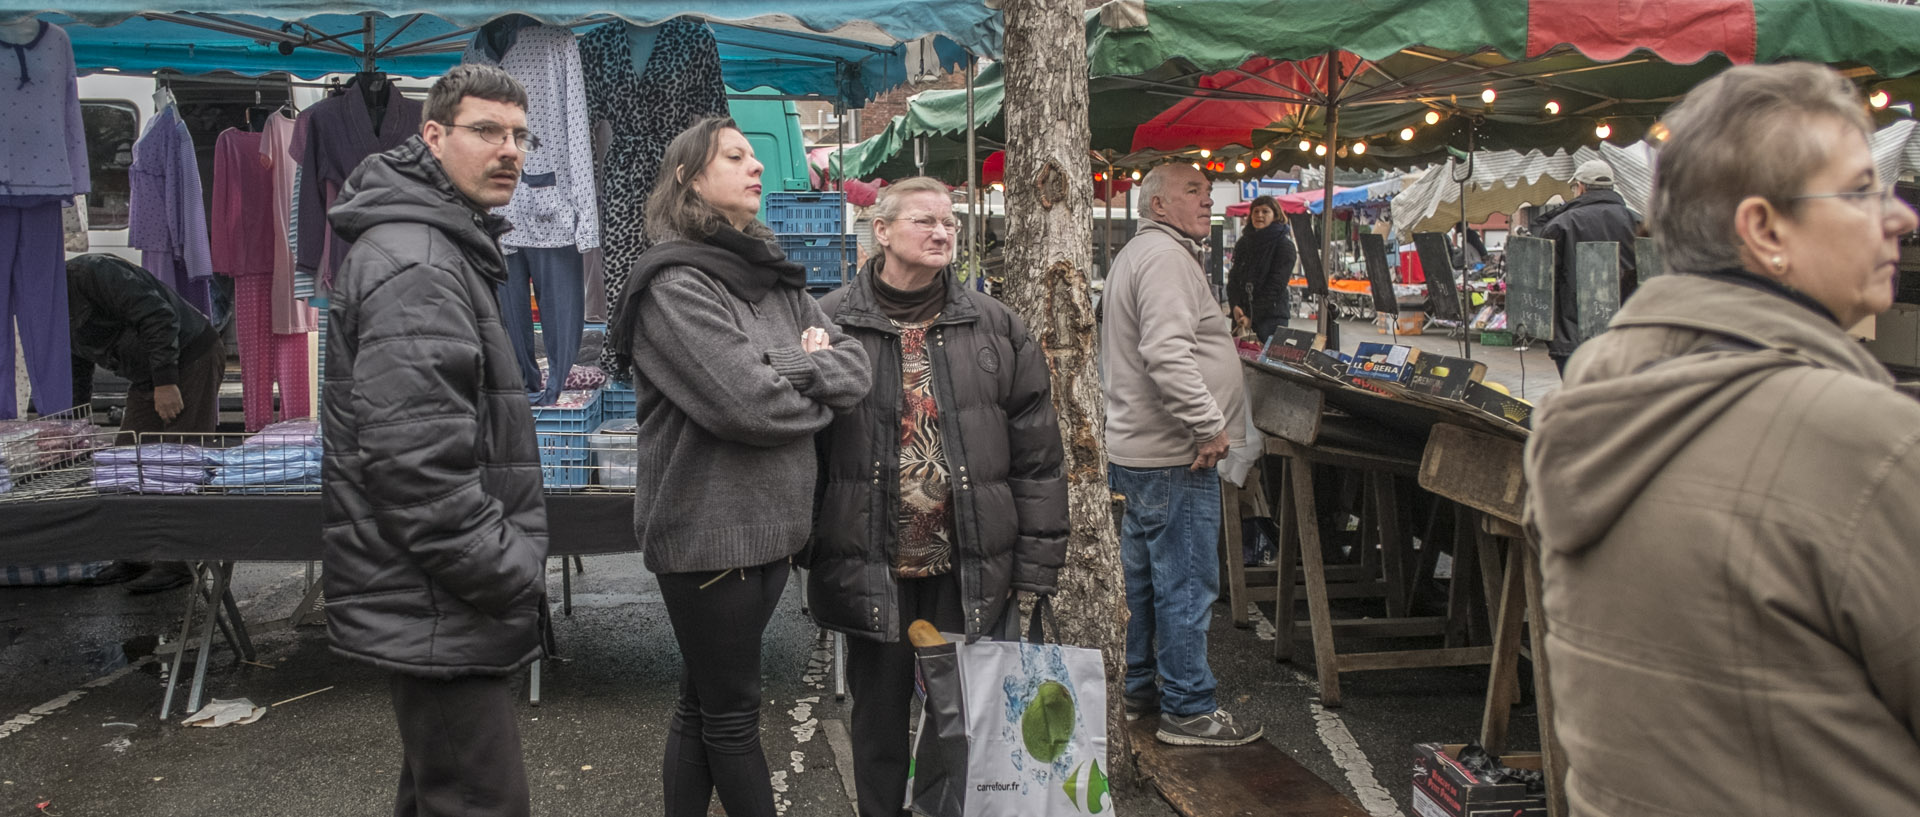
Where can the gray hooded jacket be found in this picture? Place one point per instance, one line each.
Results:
(1724, 494)
(436, 530)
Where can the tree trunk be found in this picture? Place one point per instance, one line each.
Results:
(1049, 251)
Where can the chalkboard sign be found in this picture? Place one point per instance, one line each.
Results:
(1596, 285)
(1530, 287)
(1443, 295)
(1646, 260)
(1373, 248)
(1307, 241)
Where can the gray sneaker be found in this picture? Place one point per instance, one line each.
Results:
(1214, 728)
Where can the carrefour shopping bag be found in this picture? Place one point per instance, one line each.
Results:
(1011, 729)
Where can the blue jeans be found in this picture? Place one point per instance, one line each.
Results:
(1170, 549)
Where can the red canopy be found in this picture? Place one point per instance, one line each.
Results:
(1290, 203)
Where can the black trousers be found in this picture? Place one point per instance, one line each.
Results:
(199, 384)
(713, 742)
(880, 677)
(462, 744)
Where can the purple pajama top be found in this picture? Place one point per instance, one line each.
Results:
(43, 143)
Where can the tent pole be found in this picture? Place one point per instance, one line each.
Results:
(840, 149)
(1106, 242)
(974, 228)
(1328, 328)
(1466, 301)
(367, 48)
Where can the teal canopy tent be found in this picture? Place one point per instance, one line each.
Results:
(844, 50)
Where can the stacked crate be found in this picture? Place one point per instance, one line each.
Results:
(812, 231)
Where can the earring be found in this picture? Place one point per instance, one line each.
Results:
(1779, 264)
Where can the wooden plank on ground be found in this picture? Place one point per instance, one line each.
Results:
(1256, 779)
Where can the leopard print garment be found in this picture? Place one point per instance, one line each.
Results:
(680, 86)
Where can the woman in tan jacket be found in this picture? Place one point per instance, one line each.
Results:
(1726, 490)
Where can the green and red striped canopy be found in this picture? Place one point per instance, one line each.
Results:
(1254, 73)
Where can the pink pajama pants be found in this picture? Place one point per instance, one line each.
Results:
(267, 358)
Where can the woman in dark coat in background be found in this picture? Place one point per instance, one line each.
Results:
(1263, 262)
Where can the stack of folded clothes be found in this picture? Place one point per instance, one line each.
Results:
(283, 458)
(302, 432)
(156, 468)
(267, 469)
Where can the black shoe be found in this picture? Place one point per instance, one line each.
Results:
(119, 572)
(164, 576)
(1134, 709)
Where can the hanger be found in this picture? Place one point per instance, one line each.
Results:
(163, 97)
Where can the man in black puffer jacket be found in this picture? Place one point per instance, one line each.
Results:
(436, 530)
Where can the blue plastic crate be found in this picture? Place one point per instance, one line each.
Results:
(617, 401)
(561, 434)
(822, 255)
(804, 212)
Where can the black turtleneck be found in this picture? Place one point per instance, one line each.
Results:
(916, 306)
(1747, 278)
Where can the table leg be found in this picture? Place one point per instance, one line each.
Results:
(1386, 512)
(180, 645)
(1325, 661)
(1286, 563)
(1233, 569)
(1552, 757)
(222, 573)
(239, 624)
(1503, 684)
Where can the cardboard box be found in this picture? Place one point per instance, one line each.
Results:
(1325, 364)
(1444, 788)
(1405, 323)
(1445, 377)
(1506, 407)
(1384, 361)
(1291, 346)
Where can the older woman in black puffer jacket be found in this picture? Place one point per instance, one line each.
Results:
(942, 492)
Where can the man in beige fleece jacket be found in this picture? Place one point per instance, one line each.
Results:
(1174, 406)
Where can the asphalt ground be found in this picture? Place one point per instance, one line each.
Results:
(82, 691)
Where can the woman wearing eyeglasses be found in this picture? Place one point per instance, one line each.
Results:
(941, 493)
(1724, 488)
(735, 368)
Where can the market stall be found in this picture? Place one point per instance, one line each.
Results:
(73, 492)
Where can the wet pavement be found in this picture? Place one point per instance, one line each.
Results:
(79, 708)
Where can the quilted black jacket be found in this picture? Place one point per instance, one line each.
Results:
(1002, 439)
(435, 527)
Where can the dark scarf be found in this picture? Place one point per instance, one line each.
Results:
(748, 266)
(916, 306)
(1740, 276)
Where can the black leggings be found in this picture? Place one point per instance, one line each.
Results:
(713, 742)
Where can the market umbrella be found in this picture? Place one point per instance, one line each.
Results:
(1615, 65)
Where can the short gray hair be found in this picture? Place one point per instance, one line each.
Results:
(888, 207)
(1737, 135)
(1154, 184)
(475, 80)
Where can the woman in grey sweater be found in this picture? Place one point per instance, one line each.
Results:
(735, 368)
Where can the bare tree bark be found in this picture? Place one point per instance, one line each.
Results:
(1049, 250)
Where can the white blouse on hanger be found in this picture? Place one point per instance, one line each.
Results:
(555, 204)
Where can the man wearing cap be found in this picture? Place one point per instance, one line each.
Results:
(1595, 214)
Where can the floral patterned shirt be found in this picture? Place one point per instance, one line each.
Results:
(925, 523)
